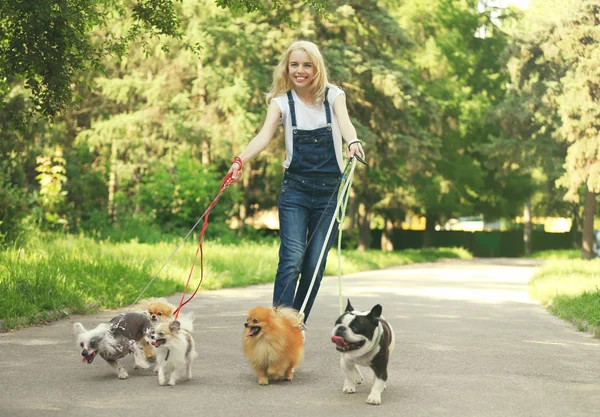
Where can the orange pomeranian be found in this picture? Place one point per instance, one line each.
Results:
(158, 310)
(273, 342)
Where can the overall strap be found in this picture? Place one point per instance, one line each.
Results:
(292, 109)
(327, 109)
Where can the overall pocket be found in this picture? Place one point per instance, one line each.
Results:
(313, 150)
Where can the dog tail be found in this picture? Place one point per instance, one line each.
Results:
(186, 321)
(290, 315)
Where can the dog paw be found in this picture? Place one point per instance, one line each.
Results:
(263, 381)
(172, 382)
(123, 375)
(349, 389)
(374, 399)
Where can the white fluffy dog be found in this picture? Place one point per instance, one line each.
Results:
(175, 349)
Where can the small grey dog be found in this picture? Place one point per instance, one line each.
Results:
(115, 340)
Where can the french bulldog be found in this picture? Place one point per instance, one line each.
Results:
(365, 339)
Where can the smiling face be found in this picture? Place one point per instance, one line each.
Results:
(256, 321)
(164, 333)
(301, 69)
(90, 342)
(354, 329)
(159, 311)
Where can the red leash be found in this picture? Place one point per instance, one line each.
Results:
(227, 181)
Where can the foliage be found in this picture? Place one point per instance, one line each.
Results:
(47, 44)
(556, 254)
(460, 106)
(578, 37)
(570, 289)
(52, 196)
(176, 199)
(76, 274)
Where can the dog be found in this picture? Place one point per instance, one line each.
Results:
(115, 340)
(175, 349)
(364, 339)
(273, 342)
(158, 309)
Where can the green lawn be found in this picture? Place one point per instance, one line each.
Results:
(556, 254)
(54, 276)
(571, 290)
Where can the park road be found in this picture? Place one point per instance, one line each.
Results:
(469, 343)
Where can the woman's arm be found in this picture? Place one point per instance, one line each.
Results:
(346, 127)
(261, 140)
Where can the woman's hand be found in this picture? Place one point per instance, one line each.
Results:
(355, 148)
(236, 169)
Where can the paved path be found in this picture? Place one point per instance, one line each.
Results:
(470, 343)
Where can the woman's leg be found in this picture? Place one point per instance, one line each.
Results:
(313, 252)
(293, 223)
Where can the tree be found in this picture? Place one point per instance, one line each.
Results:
(45, 44)
(578, 37)
(457, 55)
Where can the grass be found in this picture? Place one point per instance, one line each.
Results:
(556, 254)
(54, 276)
(571, 290)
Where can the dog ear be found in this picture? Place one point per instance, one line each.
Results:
(78, 329)
(375, 313)
(349, 306)
(175, 326)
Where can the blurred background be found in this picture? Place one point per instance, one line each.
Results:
(479, 119)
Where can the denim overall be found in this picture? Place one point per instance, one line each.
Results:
(308, 184)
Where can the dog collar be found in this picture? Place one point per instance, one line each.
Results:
(379, 333)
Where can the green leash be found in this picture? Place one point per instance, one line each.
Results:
(340, 216)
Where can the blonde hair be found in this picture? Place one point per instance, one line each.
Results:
(281, 81)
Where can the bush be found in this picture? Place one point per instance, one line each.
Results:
(176, 198)
(13, 209)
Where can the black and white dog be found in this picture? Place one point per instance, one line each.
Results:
(365, 339)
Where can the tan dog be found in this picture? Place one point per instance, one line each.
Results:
(273, 342)
(158, 310)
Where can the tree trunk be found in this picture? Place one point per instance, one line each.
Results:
(589, 211)
(575, 226)
(351, 215)
(430, 221)
(386, 236)
(364, 227)
(112, 183)
(527, 226)
(205, 150)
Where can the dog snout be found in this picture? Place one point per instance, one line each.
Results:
(246, 324)
(340, 331)
(84, 352)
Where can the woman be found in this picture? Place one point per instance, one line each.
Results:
(315, 119)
